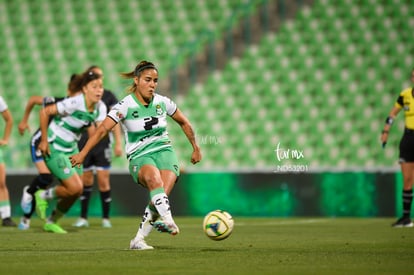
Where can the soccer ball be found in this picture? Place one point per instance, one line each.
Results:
(218, 225)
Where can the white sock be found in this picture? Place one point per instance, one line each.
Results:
(48, 194)
(160, 200)
(145, 227)
(5, 210)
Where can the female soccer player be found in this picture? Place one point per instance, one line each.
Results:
(5, 209)
(99, 161)
(152, 160)
(59, 140)
(45, 178)
(404, 102)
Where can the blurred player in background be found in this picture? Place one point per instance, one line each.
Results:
(59, 140)
(99, 161)
(404, 102)
(152, 160)
(5, 209)
(45, 178)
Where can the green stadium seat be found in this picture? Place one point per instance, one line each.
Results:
(332, 59)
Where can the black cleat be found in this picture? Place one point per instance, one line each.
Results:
(8, 222)
(403, 222)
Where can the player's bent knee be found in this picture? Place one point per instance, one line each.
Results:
(151, 181)
(75, 191)
(74, 187)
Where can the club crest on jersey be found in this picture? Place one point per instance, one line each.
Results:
(158, 109)
(119, 115)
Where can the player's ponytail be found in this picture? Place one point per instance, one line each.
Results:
(75, 84)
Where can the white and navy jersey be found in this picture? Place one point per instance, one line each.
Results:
(145, 127)
(47, 100)
(73, 117)
(3, 105)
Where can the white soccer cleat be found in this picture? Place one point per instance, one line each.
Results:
(26, 202)
(139, 244)
(166, 227)
(81, 222)
(24, 224)
(106, 223)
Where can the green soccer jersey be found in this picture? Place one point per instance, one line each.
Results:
(145, 127)
(65, 128)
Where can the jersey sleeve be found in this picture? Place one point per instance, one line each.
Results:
(170, 106)
(69, 105)
(400, 102)
(47, 100)
(118, 111)
(3, 105)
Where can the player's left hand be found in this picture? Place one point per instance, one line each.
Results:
(196, 156)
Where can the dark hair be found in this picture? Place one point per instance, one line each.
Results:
(74, 84)
(92, 67)
(89, 76)
(78, 81)
(142, 66)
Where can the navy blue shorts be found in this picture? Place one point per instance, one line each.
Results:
(99, 157)
(34, 143)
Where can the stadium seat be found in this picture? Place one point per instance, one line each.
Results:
(333, 61)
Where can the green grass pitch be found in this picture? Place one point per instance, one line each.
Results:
(256, 246)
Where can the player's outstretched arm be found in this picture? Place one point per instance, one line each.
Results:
(100, 133)
(388, 122)
(44, 115)
(33, 100)
(187, 128)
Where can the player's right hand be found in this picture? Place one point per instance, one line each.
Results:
(76, 160)
(22, 127)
